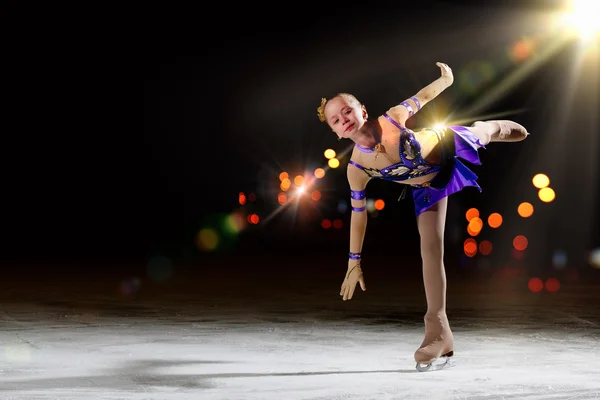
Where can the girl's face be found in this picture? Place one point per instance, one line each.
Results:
(344, 116)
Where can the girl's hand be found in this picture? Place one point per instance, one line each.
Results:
(353, 276)
(446, 72)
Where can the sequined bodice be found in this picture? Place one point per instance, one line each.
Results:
(412, 164)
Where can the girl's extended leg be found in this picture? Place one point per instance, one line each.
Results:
(438, 336)
(498, 131)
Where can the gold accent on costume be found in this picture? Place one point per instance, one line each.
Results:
(321, 110)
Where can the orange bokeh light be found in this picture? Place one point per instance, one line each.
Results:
(379, 204)
(522, 50)
(319, 173)
(471, 213)
(299, 180)
(476, 224)
(525, 209)
(283, 175)
(495, 220)
(470, 247)
(242, 198)
(520, 242)
(471, 231)
(485, 247)
(535, 285)
(282, 198)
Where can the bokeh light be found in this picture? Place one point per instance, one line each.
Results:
(559, 259)
(319, 173)
(370, 205)
(520, 242)
(379, 204)
(495, 220)
(472, 232)
(326, 223)
(485, 247)
(338, 223)
(546, 194)
(518, 254)
(476, 224)
(315, 195)
(535, 285)
(552, 284)
(540, 181)
(470, 247)
(207, 239)
(130, 286)
(594, 258)
(242, 198)
(298, 180)
(333, 162)
(234, 223)
(329, 154)
(343, 206)
(522, 50)
(471, 213)
(281, 198)
(525, 209)
(283, 175)
(285, 184)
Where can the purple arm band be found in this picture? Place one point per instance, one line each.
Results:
(357, 194)
(408, 107)
(416, 102)
(354, 256)
(359, 209)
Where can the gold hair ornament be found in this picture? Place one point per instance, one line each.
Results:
(321, 110)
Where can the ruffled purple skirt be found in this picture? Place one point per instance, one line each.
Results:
(459, 143)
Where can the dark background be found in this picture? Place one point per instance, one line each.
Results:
(229, 101)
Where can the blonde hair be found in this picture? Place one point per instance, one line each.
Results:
(321, 109)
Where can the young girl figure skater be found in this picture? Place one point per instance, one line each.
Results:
(429, 162)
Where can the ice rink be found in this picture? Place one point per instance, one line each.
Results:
(239, 333)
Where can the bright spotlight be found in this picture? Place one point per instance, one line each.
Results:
(301, 190)
(582, 18)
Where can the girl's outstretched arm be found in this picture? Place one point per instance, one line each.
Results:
(411, 106)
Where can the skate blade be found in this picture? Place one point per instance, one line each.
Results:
(444, 362)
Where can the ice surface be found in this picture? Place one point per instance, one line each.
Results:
(235, 339)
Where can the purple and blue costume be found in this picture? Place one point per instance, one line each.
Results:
(458, 143)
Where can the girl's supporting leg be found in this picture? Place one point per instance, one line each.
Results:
(438, 339)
